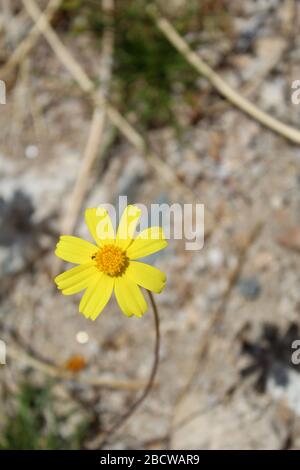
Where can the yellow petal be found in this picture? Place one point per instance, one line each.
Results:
(129, 297)
(96, 296)
(127, 226)
(76, 279)
(149, 241)
(99, 225)
(74, 249)
(146, 276)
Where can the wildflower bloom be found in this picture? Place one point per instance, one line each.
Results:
(111, 266)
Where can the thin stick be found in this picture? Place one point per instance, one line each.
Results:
(21, 52)
(216, 316)
(221, 86)
(106, 435)
(79, 74)
(57, 372)
(96, 130)
(87, 86)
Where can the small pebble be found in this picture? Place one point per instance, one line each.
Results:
(276, 202)
(215, 257)
(249, 288)
(82, 337)
(31, 152)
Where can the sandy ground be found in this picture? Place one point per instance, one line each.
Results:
(247, 177)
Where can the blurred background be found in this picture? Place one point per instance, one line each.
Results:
(230, 312)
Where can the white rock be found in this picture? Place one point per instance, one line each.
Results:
(215, 258)
(31, 152)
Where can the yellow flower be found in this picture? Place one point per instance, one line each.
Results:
(110, 265)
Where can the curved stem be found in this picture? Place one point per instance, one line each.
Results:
(121, 421)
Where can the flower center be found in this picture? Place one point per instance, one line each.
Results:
(111, 260)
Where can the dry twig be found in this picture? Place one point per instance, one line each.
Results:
(21, 356)
(87, 86)
(217, 315)
(220, 85)
(97, 125)
(96, 130)
(28, 43)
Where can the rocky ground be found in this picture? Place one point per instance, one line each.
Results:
(242, 391)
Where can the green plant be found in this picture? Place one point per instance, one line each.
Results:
(150, 76)
(34, 425)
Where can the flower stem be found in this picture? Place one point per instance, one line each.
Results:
(106, 435)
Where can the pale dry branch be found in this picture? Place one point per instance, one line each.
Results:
(135, 138)
(76, 71)
(218, 314)
(96, 129)
(220, 85)
(95, 133)
(89, 157)
(21, 52)
(22, 357)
